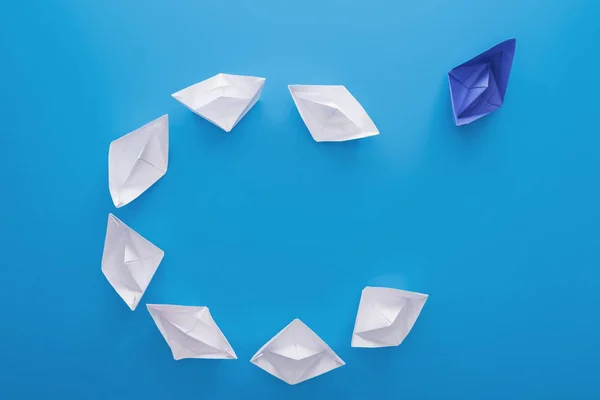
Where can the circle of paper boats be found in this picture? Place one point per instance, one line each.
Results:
(137, 160)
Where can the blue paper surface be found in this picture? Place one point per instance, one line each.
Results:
(497, 220)
(478, 86)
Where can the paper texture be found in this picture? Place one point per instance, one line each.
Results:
(385, 316)
(477, 87)
(137, 160)
(296, 354)
(223, 99)
(129, 261)
(331, 113)
(190, 332)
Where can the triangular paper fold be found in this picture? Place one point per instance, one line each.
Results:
(478, 86)
(129, 261)
(331, 113)
(190, 332)
(223, 99)
(385, 316)
(137, 160)
(296, 354)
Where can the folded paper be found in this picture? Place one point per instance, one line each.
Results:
(331, 113)
(385, 316)
(296, 354)
(478, 86)
(129, 261)
(190, 332)
(137, 160)
(223, 99)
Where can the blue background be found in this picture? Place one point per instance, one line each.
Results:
(498, 221)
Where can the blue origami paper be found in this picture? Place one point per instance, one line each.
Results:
(477, 87)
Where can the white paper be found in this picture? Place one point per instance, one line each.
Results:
(137, 160)
(190, 332)
(129, 261)
(331, 113)
(223, 99)
(296, 354)
(385, 316)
